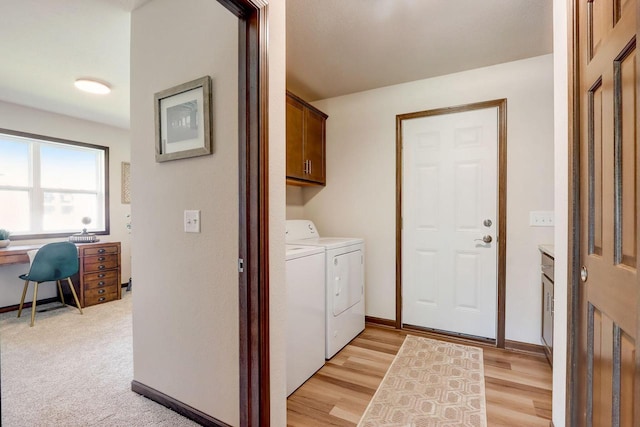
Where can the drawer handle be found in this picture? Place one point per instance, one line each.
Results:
(101, 283)
(101, 275)
(101, 299)
(101, 251)
(101, 258)
(101, 267)
(101, 291)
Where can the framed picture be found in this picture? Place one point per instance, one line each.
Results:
(126, 183)
(183, 120)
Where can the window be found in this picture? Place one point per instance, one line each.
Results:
(48, 185)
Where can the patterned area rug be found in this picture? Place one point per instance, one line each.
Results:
(430, 384)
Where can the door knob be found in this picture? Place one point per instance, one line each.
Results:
(584, 274)
(487, 222)
(485, 239)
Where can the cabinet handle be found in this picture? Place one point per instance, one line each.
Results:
(100, 283)
(310, 167)
(101, 251)
(101, 258)
(101, 299)
(101, 291)
(101, 275)
(101, 267)
(548, 308)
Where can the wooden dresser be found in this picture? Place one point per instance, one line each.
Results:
(98, 280)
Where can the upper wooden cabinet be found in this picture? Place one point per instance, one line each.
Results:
(305, 143)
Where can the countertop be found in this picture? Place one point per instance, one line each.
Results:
(547, 249)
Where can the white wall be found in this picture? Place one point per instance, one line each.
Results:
(277, 138)
(561, 184)
(185, 302)
(359, 198)
(24, 119)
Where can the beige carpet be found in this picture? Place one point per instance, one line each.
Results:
(430, 384)
(74, 370)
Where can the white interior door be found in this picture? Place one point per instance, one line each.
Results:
(449, 204)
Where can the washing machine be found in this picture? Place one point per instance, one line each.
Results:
(305, 281)
(344, 282)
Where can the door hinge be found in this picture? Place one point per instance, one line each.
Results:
(240, 265)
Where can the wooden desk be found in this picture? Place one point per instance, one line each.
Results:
(98, 279)
(15, 254)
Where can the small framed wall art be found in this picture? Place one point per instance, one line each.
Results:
(183, 120)
(126, 183)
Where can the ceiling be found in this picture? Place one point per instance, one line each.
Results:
(46, 45)
(334, 47)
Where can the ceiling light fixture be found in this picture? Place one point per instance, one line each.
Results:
(92, 86)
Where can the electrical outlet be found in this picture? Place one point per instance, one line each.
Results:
(191, 221)
(541, 219)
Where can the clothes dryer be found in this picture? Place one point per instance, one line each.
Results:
(344, 282)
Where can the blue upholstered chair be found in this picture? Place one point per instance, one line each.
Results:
(52, 263)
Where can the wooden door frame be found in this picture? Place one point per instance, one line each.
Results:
(572, 386)
(253, 207)
(501, 104)
(573, 243)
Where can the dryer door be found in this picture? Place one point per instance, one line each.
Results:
(347, 280)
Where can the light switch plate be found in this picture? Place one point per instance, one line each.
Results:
(191, 221)
(541, 218)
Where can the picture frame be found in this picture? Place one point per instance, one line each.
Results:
(126, 183)
(183, 120)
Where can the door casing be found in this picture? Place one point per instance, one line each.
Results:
(501, 104)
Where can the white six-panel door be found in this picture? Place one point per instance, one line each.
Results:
(449, 204)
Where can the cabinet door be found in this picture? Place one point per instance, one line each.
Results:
(295, 136)
(314, 146)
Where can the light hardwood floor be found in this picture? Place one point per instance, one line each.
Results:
(518, 385)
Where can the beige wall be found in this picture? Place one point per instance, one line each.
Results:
(186, 299)
(295, 202)
(359, 199)
(185, 304)
(277, 138)
(561, 185)
(25, 119)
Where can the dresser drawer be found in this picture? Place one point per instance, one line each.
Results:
(100, 275)
(100, 280)
(98, 296)
(99, 262)
(101, 250)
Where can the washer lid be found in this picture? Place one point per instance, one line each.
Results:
(299, 251)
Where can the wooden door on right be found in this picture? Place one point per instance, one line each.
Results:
(608, 293)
